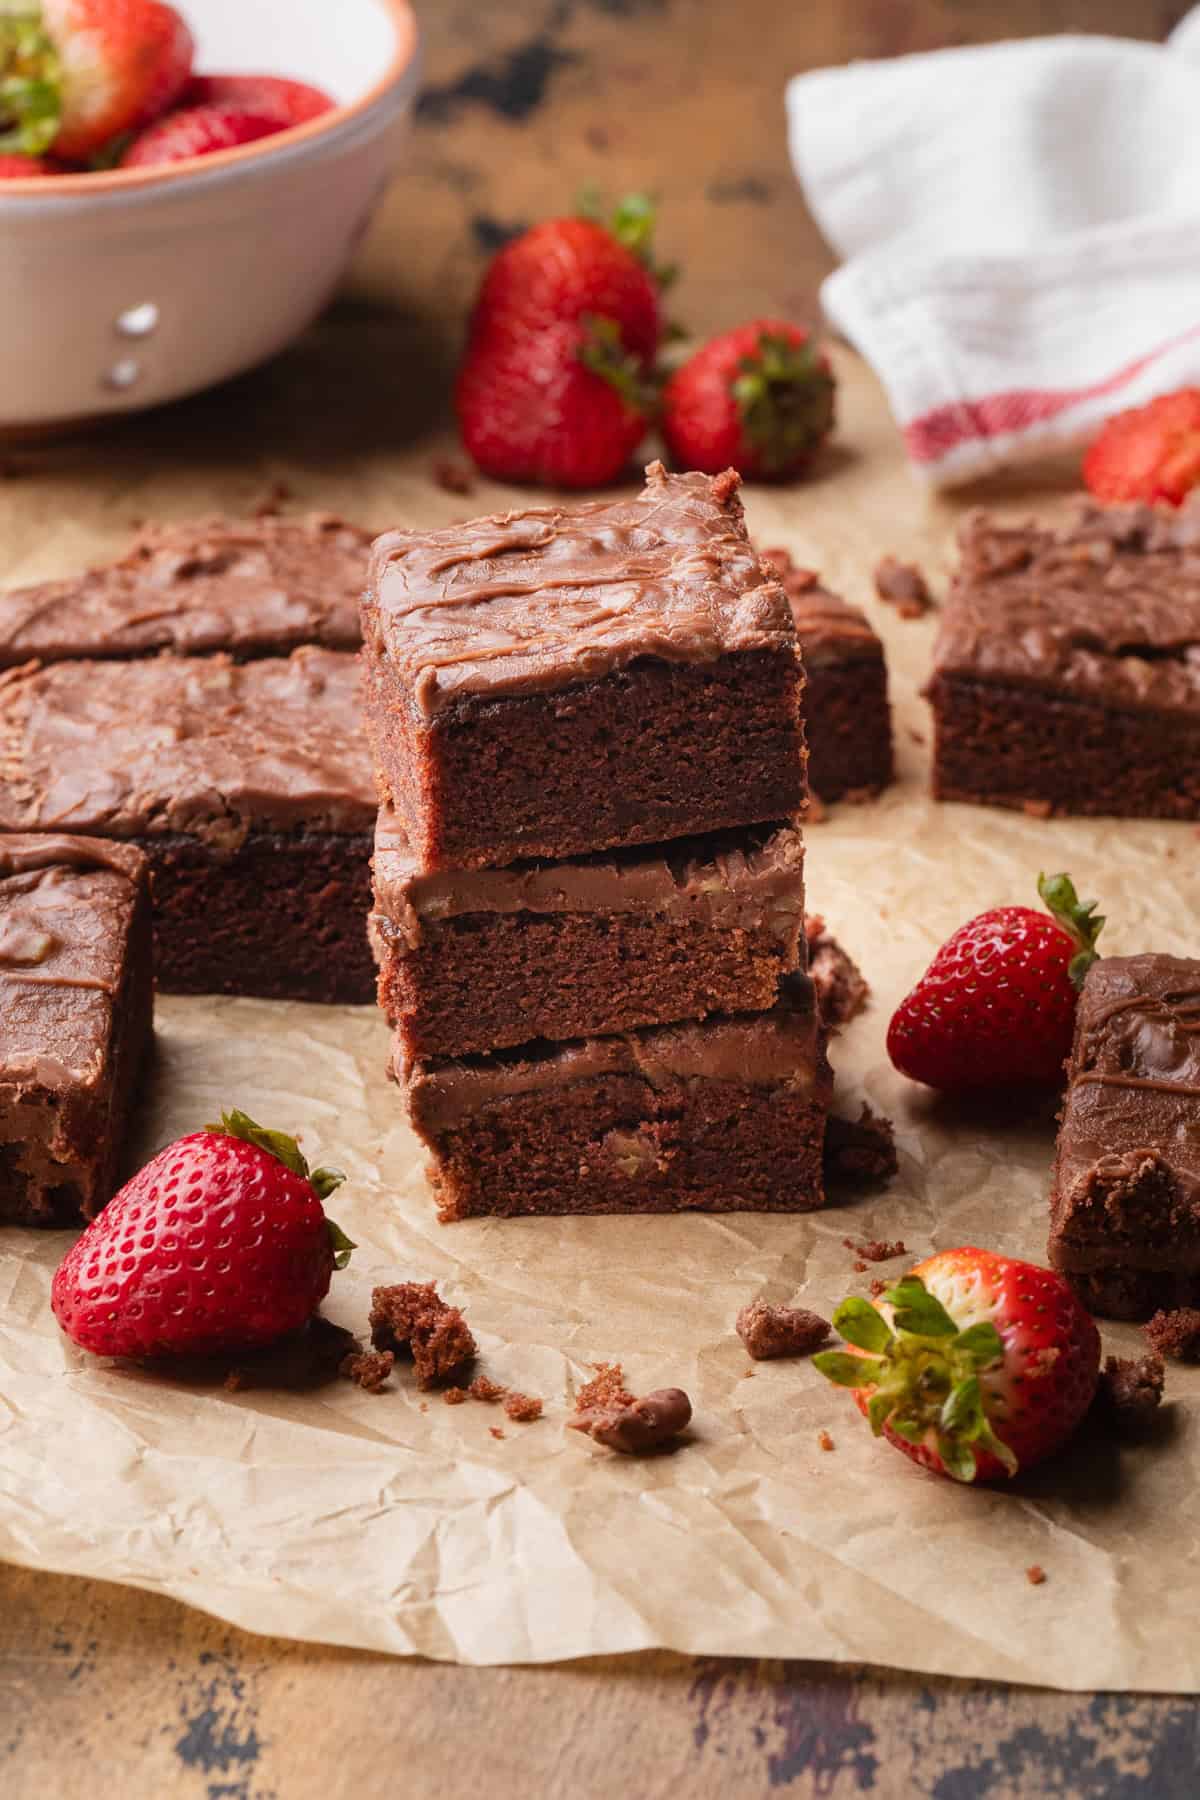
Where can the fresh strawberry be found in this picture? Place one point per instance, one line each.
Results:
(974, 1365)
(76, 73)
(996, 1006)
(759, 399)
(566, 272)
(20, 168)
(562, 407)
(197, 131)
(1149, 453)
(219, 1244)
(265, 96)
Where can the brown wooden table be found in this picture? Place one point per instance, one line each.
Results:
(105, 1691)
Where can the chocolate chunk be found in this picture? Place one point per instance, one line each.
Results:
(769, 1331)
(1131, 1390)
(903, 586)
(1175, 1334)
(644, 1425)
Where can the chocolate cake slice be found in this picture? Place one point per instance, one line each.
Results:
(247, 785)
(481, 959)
(1066, 675)
(727, 1115)
(1125, 1206)
(563, 680)
(253, 587)
(76, 999)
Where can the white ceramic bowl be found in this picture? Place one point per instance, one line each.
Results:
(125, 289)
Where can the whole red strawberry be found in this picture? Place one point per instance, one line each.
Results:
(220, 1244)
(996, 1006)
(1150, 453)
(264, 96)
(974, 1365)
(76, 73)
(556, 384)
(759, 399)
(197, 131)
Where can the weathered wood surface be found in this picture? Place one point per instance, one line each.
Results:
(112, 1692)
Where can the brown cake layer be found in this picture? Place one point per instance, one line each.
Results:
(249, 788)
(618, 673)
(847, 718)
(76, 1000)
(254, 587)
(727, 1115)
(476, 960)
(1067, 673)
(1125, 1204)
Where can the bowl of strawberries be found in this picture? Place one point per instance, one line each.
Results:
(182, 187)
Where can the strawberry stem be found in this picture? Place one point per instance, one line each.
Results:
(1078, 918)
(603, 352)
(633, 223)
(784, 395)
(921, 1374)
(30, 82)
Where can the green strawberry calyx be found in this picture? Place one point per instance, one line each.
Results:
(602, 350)
(1078, 918)
(785, 398)
(30, 81)
(286, 1150)
(633, 223)
(921, 1373)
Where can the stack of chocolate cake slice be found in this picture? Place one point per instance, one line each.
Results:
(588, 875)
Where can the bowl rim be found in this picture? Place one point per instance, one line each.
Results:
(109, 181)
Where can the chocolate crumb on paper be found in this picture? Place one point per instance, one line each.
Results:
(1175, 1334)
(860, 1152)
(456, 1396)
(409, 1317)
(842, 988)
(824, 1441)
(878, 1249)
(1131, 1390)
(523, 1409)
(1035, 1575)
(497, 1431)
(773, 1331)
(369, 1368)
(608, 1413)
(451, 476)
(903, 585)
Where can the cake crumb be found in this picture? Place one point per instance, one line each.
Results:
(456, 1396)
(1035, 1575)
(771, 1331)
(1175, 1334)
(1131, 1390)
(369, 1368)
(825, 1441)
(451, 476)
(878, 1249)
(903, 585)
(877, 1287)
(860, 1152)
(611, 1415)
(523, 1409)
(606, 1388)
(860, 1267)
(842, 988)
(497, 1431)
(792, 576)
(411, 1317)
(916, 737)
(483, 1388)
(424, 1406)
(725, 485)
(815, 810)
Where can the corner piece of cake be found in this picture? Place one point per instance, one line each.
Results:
(76, 1001)
(1125, 1204)
(560, 680)
(1066, 675)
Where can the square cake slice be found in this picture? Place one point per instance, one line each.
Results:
(76, 1000)
(481, 959)
(1066, 676)
(847, 718)
(247, 785)
(563, 680)
(1125, 1204)
(727, 1115)
(254, 587)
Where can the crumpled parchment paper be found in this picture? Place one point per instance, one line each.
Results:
(396, 1523)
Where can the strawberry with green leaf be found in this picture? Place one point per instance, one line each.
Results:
(219, 1245)
(974, 1365)
(759, 399)
(996, 1006)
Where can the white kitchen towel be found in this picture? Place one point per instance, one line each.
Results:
(1020, 229)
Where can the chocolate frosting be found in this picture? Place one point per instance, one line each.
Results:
(1106, 607)
(1127, 1175)
(782, 1048)
(538, 600)
(744, 879)
(203, 746)
(830, 630)
(65, 910)
(250, 586)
